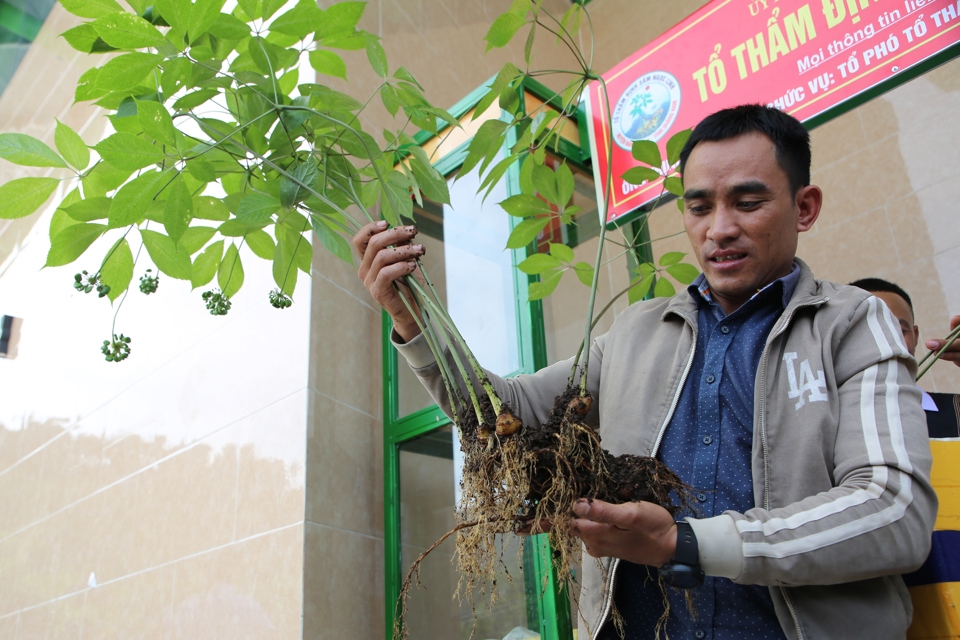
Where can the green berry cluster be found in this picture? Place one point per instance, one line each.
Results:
(148, 283)
(217, 303)
(279, 299)
(86, 283)
(117, 349)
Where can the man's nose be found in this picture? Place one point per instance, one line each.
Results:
(723, 225)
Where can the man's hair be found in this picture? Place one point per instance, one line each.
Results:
(790, 139)
(879, 285)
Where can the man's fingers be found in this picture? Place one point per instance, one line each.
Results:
(375, 237)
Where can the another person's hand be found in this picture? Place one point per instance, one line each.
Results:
(387, 255)
(639, 532)
(953, 353)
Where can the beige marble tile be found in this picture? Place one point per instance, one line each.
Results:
(833, 141)
(66, 618)
(853, 249)
(344, 467)
(878, 120)
(343, 585)
(20, 488)
(251, 589)
(138, 606)
(345, 352)
(70, 466)
(910, 231)
(186, 504)
(272, 449)
(8, 625)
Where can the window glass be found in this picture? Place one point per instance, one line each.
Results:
(429, 486)
(473, 274)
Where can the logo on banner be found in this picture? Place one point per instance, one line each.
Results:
(647, 109)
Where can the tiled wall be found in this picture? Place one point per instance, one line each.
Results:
(160, 497)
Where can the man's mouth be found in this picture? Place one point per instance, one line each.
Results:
(730, 257)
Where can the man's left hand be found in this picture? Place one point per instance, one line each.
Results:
(639, 532)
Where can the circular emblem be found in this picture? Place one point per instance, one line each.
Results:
(647, 109)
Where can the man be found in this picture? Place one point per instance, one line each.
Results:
(782, 400)
(942, 409)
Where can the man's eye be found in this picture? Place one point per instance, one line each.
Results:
(749, 204)
(697, 209)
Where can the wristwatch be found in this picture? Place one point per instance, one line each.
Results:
(683, 571)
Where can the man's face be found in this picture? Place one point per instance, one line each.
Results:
(740, 216)
(901, 311)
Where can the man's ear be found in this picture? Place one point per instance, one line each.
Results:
(809, 200)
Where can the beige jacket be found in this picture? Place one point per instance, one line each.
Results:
(841, 460)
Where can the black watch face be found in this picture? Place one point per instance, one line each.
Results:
(681, 576)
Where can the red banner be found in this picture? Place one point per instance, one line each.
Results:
(802, 56)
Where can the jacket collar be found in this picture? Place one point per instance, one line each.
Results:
(807, 292)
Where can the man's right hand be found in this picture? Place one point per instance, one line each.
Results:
(386, 255)
(953, 353)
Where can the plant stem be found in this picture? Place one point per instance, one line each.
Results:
(933, 357)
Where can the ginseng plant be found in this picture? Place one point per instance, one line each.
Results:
(519, 476)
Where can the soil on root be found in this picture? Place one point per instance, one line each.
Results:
(533, 476)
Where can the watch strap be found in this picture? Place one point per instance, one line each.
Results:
(687, 551)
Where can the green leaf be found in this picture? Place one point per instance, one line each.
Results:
(169, 257)
(69, 244)
(670, 258)
(526, 232)
(505, 77)
(194, 238)
(175, 13)
(284, 262)
(23, 196)
(156, 122)
(542, 289)
(126, 31)
(674, 185)
(194, 99)
(71, 146)
(230, 273)
(126, 71)
(90, 8)
(328, 63)
(303, 19)
(663, 289)
(203, 15)
(503, 29)
(377, 56)
(210, 208)
(27, 151)
(128, 152)
(485, 144)
(89, 209)
(538, 263)
(59, 222)
(101, 179)
(389, 97)
(261, 244)
(524, 205)
(395, 201)
(178, 211)
(430, 181)
(340, 19)
(675, 145)
(333, 241)
(584, 273)
(565, 184)
(639, 289)
(290, 190)
(270, 7)
(117, 269)
(228, 27)
(206, 265)
(545, 180)
(84, 38)
(252, 8)
(647, 152)
(637, 175)
(683, 272)
(131, 201)
(256, 208)
(201, 170)
(561, 252)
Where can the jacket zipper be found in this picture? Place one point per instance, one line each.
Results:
(611, 582)
(763, 438)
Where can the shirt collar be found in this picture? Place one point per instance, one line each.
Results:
(700, 288)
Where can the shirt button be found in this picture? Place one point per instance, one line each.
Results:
(707, 439)
(702, 497)
(710, 378)
(724, 329)
(699, 633)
